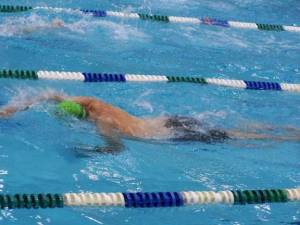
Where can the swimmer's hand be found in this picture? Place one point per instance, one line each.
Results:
(108, 150)
(7, 112)
(3, 113)
(45, 96)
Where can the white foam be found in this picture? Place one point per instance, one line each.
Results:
(208, 114)
(16, 26)
(19, 26)
(31, 96)
(143, 103)
(118, 31)
(215, 37)
(60, 10)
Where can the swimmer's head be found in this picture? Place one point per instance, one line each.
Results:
(71, 108)
(57, 23)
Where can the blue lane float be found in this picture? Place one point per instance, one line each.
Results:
(122, 77)
(99, 77)
(260, 85)
(215, 22)
(95, 13)
(153, 199)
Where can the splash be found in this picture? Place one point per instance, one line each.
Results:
(25, 97)
(16, 26)
(20, 26)
(207, 115)
(215, 38)
(144, 104)
(117, 31)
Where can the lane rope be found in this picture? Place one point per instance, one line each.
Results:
(159, 18)
(148, 199)
(110, 77)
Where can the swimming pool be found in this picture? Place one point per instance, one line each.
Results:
(38, 150)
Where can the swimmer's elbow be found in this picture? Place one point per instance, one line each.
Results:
(110, 149)
(114, 145)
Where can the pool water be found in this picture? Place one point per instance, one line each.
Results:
(38, 150)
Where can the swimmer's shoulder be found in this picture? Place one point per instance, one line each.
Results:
(90, 103)
(83, 100)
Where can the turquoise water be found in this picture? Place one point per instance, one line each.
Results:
(37, 150)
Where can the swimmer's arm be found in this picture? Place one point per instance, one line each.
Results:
(10, 109)
(112, 140)
(46, 96)
(113, 145)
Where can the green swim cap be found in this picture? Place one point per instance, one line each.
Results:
(72, 108)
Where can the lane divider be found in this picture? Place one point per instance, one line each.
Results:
(109, 77)
(160, 18)
(148, 199)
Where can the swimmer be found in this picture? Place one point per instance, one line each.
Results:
(57, 23)
(54, 24)
(113, 123)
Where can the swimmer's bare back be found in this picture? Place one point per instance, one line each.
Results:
(113, 120)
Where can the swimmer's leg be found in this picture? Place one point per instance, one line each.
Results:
(255, 126)
(242, 135)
